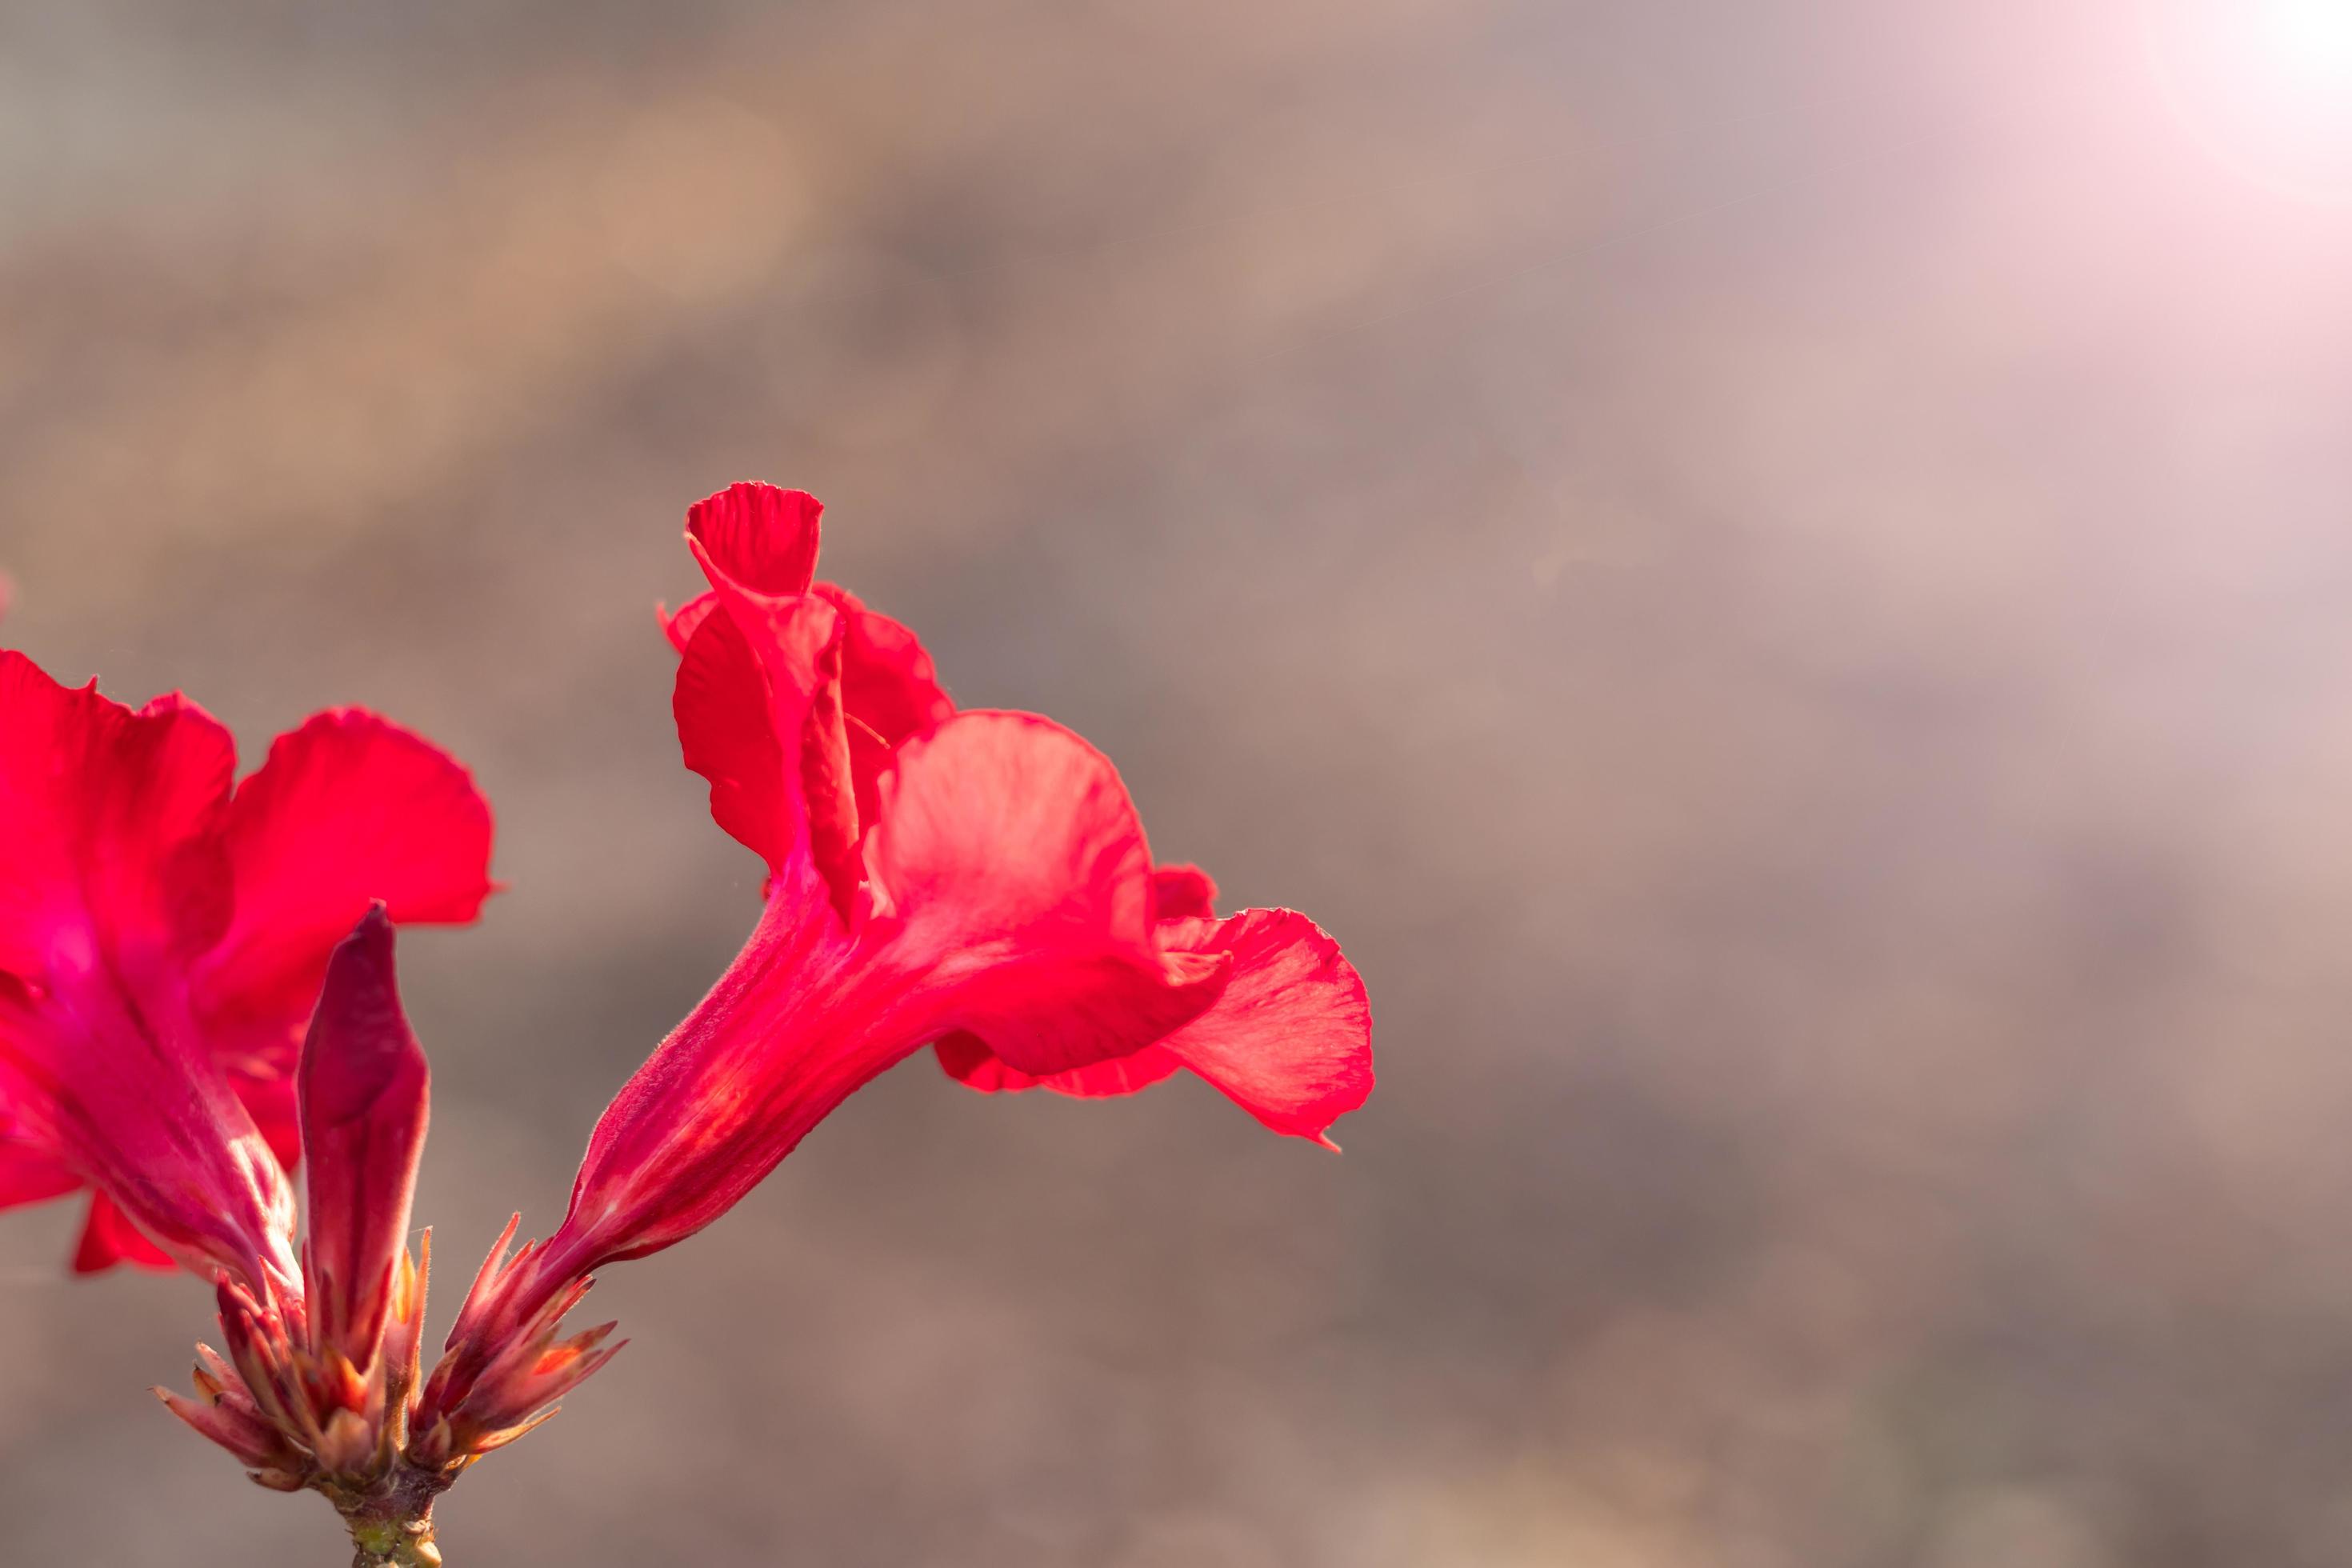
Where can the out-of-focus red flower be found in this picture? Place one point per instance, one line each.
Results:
(163, 936)
(974, 879)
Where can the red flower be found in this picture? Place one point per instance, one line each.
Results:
(977, 880)
(163, 937)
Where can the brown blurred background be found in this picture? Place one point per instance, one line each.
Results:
(1777, 572)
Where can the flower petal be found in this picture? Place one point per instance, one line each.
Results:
(1180, 891)
(681, 628)
(113, 817)
(348, 810)
(1010, 851)
(770, 665)
(1289, 1039)
(763, 722)
(758, 535)
(889, 691)
(968, 1060)
(107, 1238)
(113, 870)
(889, 682)
(119, 1089)
(29, 1175)
(268, 1097)
(730, 697)
(363, 1087)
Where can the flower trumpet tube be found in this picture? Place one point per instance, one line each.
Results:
(978, 881)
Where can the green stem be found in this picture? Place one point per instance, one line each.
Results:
(393, 1526)
(389, 1543)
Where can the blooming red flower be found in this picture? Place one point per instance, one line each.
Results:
(974, 879)
(163, 937)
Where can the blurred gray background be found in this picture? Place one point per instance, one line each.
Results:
(1779, 573)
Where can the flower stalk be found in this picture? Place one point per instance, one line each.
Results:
(392, 1522)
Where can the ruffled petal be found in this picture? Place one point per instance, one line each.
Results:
(113, 821)
(348, 810)
(724, 732)
(759, 536)
(681, 628)
(889, 691)
(1290, 1038)
(113, 871)
(759, 714)
(1009, 850)
(792, 716)
(1180, 892)
(1009, 828)
(107, 1238)
(736, 692)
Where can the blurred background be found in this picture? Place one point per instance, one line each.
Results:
(1779, 573)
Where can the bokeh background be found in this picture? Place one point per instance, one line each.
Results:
(1780, 573)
